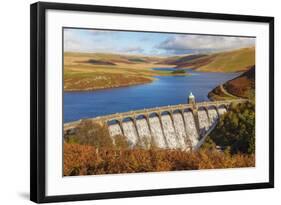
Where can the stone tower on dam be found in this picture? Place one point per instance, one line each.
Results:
(191, 99)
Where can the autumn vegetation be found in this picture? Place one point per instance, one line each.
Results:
(88, 160)
(90, 150)
(242, 86)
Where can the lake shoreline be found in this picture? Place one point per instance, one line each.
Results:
(106, 88)
(149, 79)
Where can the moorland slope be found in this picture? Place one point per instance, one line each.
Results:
(229, 61)
(242, 86)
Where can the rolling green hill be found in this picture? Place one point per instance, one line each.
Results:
(180, 60)
(229, 61)
(112, 58)
(238, 60)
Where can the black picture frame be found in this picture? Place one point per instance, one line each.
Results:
(38, 103)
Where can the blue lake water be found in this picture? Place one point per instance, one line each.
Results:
(166, 90)
(172, 69)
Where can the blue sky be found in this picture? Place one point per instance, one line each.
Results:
(147, 43)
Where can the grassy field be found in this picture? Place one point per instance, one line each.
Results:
(233, 61)
(85, 71)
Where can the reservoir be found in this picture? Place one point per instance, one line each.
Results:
(165, 90)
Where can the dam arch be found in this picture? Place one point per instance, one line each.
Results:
(181, 129)
(114, 127)
(213, 107)
(144, 130)
(222, 109)
(213, 113)
(156, 127)
(222, 106)
(204, 120)
(169, 130)
(141, 116)
(113, 121)
(130, 130)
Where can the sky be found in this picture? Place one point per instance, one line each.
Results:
(148, 43)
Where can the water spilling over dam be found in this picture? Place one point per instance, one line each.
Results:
(174, 130)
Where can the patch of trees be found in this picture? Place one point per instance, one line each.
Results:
(138, 60)
(96, 135)
(236, 129)
(178, 71)
(99, 62)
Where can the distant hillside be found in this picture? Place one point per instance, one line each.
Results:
(180, 60)
(111, 58)
(93, 71)
(238, 60)
(230, 61)
(242, 86)
(98, 62)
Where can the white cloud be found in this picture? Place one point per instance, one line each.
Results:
(86, 41)
(101, 32)
(132, 49)
(96, 41)
(203, 43)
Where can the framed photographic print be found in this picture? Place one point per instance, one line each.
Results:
(129, 102)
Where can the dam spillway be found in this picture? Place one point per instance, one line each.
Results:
(169, 127)
(157, 132)
(180, 129)
(144, 132)
(192, 131)
(167, 130)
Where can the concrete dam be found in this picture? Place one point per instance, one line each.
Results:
(183, 126)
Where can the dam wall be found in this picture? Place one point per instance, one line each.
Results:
(182, 126)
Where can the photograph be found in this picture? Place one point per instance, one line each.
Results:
(135, 102)
(150, 101)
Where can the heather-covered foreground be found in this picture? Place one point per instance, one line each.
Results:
(87, 160)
